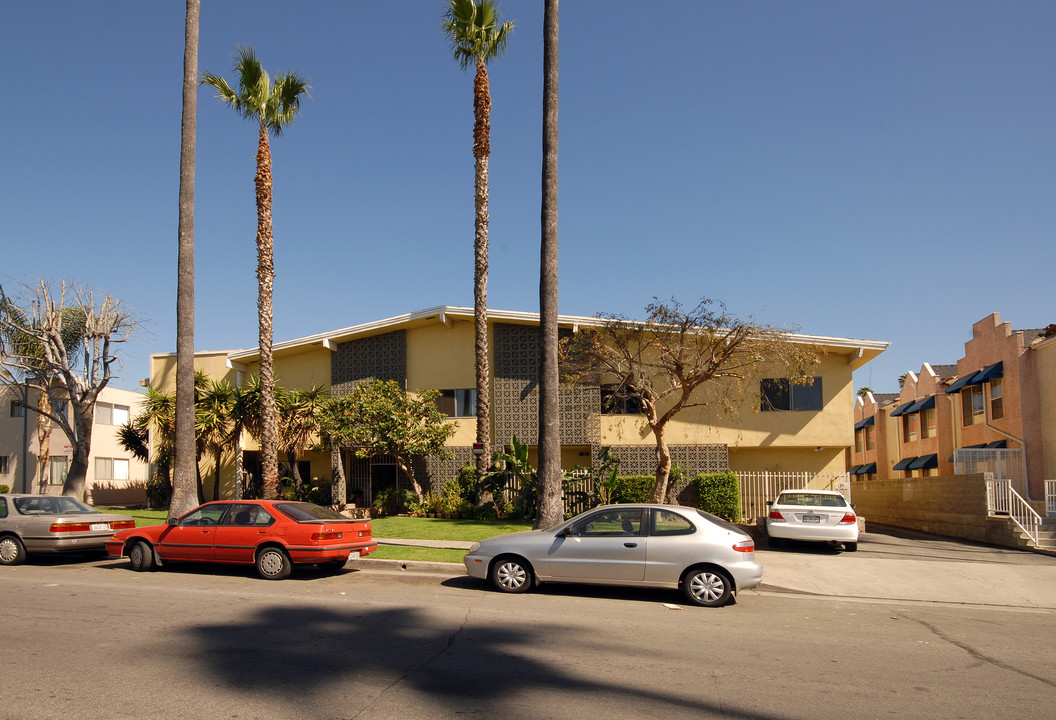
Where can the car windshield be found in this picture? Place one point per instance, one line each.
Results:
(302, 512)
(51, 506)
(811, 499)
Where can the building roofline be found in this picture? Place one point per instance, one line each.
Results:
(862, 350)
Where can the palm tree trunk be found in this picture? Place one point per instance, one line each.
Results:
(481, 151)
(551, 507)
(269, 454)
(184, 491)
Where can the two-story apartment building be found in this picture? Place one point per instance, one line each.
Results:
(114, 476)
(433, 349)
(991, 412)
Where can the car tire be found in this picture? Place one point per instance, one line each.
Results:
(273, 563)
(850, 546)
(511, 575)
(707, 587)
(12, 551)
(141, 556)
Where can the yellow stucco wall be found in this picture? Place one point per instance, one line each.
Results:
(830, 428)
(1045, 365)
(441, 357)
(213, 364)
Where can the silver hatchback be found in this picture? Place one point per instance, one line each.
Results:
(661, 546)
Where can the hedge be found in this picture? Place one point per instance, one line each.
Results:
(719, 494)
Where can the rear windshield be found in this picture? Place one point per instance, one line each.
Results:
(56, 505)
(718, 521)
(302, 512)
(811, 499)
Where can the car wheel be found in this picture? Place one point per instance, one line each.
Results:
(707, 587)
(141, 556)
(12, 551)
(851, 546)
(511, 575)
(273, 563)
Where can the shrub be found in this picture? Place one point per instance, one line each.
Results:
(630, 488)
(719, 494)
(4, 489)
(392, 501)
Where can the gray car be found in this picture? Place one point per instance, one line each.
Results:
(53, 524)
(662, 546)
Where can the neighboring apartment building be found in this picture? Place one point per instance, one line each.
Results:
(991, 412)
(114, 477)
(433, 349)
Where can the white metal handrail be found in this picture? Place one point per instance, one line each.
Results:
(1002, 498)
(1050, 497)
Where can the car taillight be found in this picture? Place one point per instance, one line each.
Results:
(744, 546)
(122, 524)
(69, 527)
(848, 519)
(326, 536)
(775, 515)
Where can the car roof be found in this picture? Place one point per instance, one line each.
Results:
(812, 491)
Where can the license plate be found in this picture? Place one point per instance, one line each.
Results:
(353, 556)
(812, 518)
(100, 526)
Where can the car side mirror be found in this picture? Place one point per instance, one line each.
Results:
(852, 506)
(769, 503)
(172, 521)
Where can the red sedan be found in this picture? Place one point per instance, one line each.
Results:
(274, 535)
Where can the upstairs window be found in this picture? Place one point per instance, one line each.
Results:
(870, 438)
(617, 400)
(17, 409)
(927, 423)
(909, 427)
(110, 414)
(780, 394)
(997, 399)
(973, 410)
(458, 403)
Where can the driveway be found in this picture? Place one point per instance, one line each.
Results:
(896, 564)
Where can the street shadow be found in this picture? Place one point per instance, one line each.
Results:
(308, 653)
(658, 596)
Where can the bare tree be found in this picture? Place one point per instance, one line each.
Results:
(66, 371)
(678, 359)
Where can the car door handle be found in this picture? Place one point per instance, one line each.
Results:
(630, 545)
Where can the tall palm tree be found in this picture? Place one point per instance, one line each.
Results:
(551, 508)
(273, 105)
(185, 472)
(477, 37)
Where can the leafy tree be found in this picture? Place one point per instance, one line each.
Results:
(378, 417)
(212, 423)
(186, 475)
(551, 508)
(678, 359)
(37, 348)
(298, 426)
(477, 37)
(863, 391)
(274, 106)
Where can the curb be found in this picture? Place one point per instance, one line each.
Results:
(411, 566)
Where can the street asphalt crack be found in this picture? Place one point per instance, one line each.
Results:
(972, 652)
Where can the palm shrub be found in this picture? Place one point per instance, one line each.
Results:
(392, 501)
(719, 494)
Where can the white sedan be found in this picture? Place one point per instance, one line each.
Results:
(812, 515)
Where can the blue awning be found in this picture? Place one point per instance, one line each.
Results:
(997, 444)
(903, 463)
(871, 420)
(988, 373)
(925, 404)
(977, 378)
(925, 461)
(867, 469)
(901, 409)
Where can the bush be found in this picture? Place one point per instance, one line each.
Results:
(630, 488)
(4, 489)
(392, 501)
(719, 494)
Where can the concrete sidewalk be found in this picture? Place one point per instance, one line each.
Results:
(891, 564)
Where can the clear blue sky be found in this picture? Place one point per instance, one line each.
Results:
(881, 170)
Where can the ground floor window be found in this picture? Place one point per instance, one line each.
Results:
(58, 469)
